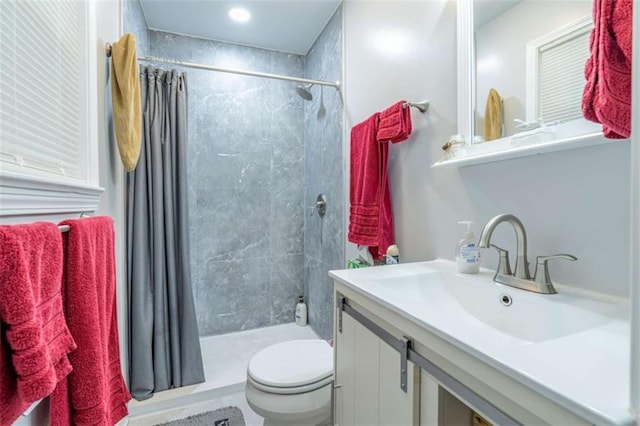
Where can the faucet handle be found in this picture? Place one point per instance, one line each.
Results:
(541, 275)
(504, 267)
(544, 259)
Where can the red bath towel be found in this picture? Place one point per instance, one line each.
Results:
(607, 94)
(95, 392)
(34, 339)
(395, 123)
(370, 220)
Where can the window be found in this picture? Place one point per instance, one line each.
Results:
(48, 103)
(555, 73)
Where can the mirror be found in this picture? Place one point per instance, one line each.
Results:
(532, 53)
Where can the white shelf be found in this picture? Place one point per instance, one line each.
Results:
(489, 152)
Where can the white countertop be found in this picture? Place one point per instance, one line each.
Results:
(586, 372)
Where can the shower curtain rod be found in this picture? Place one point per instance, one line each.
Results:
(335, 84)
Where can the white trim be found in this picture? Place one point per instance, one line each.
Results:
(346, 143)
(634, 273)
(26, 195)
(92, 175)
(531, 83)
(466, 70)
(533, 52)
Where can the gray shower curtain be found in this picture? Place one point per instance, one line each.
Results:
(164, 345)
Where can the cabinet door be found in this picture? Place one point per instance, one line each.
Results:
(367, 378)
(395, 406)
(429, 389)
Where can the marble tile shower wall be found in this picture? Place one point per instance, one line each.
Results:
(246, 186)
(135, 22)
(324, 172)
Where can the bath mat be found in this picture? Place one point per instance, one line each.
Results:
(226, 416)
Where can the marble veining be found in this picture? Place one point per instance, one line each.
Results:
(257, 156)
(324, 172)
(246, 187)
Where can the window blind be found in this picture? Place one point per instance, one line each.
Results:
(43, 84)
(561, 77)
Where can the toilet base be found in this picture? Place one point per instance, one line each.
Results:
(306, 409)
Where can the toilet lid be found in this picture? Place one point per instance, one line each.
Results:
(292, 364)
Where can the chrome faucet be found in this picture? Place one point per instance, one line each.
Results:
(522, 265)
(520, 278)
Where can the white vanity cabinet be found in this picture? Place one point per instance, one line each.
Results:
(367, 380)
(368, 375)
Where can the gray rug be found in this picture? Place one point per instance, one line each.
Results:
(226, 416)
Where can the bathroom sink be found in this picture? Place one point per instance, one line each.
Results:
(551, 343)
(466, 299)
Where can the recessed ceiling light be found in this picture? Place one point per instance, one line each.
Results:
(239, 14)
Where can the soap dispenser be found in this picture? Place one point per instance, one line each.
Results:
(467, 251)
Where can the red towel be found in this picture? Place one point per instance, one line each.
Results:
(34, 339)
(607, 94)
(95, 392)
(395, 123)
(370, 219)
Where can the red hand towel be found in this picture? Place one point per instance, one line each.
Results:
(395, 123)
(95, 392)
(34, 339)
(607, 93)
(370, 219)
(364, 183)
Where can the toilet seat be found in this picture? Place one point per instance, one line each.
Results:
(290, 390)
(291, 367)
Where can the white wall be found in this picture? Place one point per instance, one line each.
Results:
(108, 13)
(635, 229)
(572, 201)
(403, 50)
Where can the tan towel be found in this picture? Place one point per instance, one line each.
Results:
(125, 93)
(493, 116)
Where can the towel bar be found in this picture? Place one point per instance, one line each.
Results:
(423, 106)
(65, 228)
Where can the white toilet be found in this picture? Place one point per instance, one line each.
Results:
(290, 383)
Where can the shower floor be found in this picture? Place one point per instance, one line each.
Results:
(225, 359)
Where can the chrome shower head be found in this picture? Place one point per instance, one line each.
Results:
(304, 92)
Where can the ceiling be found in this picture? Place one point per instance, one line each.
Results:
(485, 11)
(284, 25)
